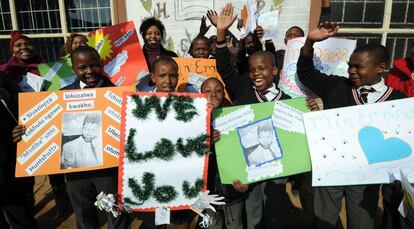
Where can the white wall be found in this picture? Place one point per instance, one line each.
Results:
(182, 17)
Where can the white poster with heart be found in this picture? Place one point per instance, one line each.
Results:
(366, 144)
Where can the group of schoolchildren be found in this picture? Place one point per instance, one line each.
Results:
(250, 75)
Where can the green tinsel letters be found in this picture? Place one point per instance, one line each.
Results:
(165, 193)
(145, 193)
(162, 194)
(183, 106)
(191, 192)
(164, 149)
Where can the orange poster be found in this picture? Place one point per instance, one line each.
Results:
(120, 52)
(194, 71)
(69, 131)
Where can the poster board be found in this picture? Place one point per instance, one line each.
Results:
(194, 71)
(367, 144)
(240, 150)
(330, 57)
(59, 124)
(120, 51)
(163, 160)
(57, 73)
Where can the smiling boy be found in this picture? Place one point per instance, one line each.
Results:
(364, 86)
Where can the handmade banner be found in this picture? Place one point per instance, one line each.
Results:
(366, 144)
(193, 72)
(331, 57)
(57, 74)
(261, 141)
(120, 51)
(69, 131)
(163, 162)
(192, 69)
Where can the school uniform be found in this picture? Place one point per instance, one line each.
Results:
(83, 187)
(265, 200)
(337, 91)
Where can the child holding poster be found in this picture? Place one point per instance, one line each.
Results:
(233, 210)
(165, 78)
(364, 86)
(83, 187)
(264, 203)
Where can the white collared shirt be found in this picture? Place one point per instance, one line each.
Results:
(272, 92)
(380, 89)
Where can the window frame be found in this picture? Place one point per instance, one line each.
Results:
(62, 13)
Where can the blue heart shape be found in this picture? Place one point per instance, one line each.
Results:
(377, 149)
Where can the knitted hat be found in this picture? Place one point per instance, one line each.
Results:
(15, 36)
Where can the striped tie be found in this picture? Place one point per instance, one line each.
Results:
(363, 93)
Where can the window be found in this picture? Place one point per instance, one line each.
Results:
(48, 22)
(390, 22)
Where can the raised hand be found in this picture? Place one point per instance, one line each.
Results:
(226, 17)
(213, 17)
(203, 26)
(324, 31)
(259, 32)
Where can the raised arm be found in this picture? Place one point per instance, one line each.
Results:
(308, 75)
(225, 68)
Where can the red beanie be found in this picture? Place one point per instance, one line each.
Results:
(15, 36)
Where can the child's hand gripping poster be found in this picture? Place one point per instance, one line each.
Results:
(120, 52)
(163, 160)
(69, 131)
(330, 57)
(261, 141)
(359, 145)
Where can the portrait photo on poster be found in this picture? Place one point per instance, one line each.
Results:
(259, 142)
(81, 139)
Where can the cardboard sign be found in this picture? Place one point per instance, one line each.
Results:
(330, 57)
(120, 51)
(57, 74)
(163, 162)
(194, 71)
(261, 141)
(69, 131)
(366, 144)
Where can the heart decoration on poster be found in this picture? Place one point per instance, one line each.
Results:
(378, 149)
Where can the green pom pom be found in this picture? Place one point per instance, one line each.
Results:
(192, 192)
(165, 193)
(142, 194)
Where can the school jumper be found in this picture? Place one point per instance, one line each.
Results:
(401, 76)
(361, 200)
(264, 203)
(83, 187)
